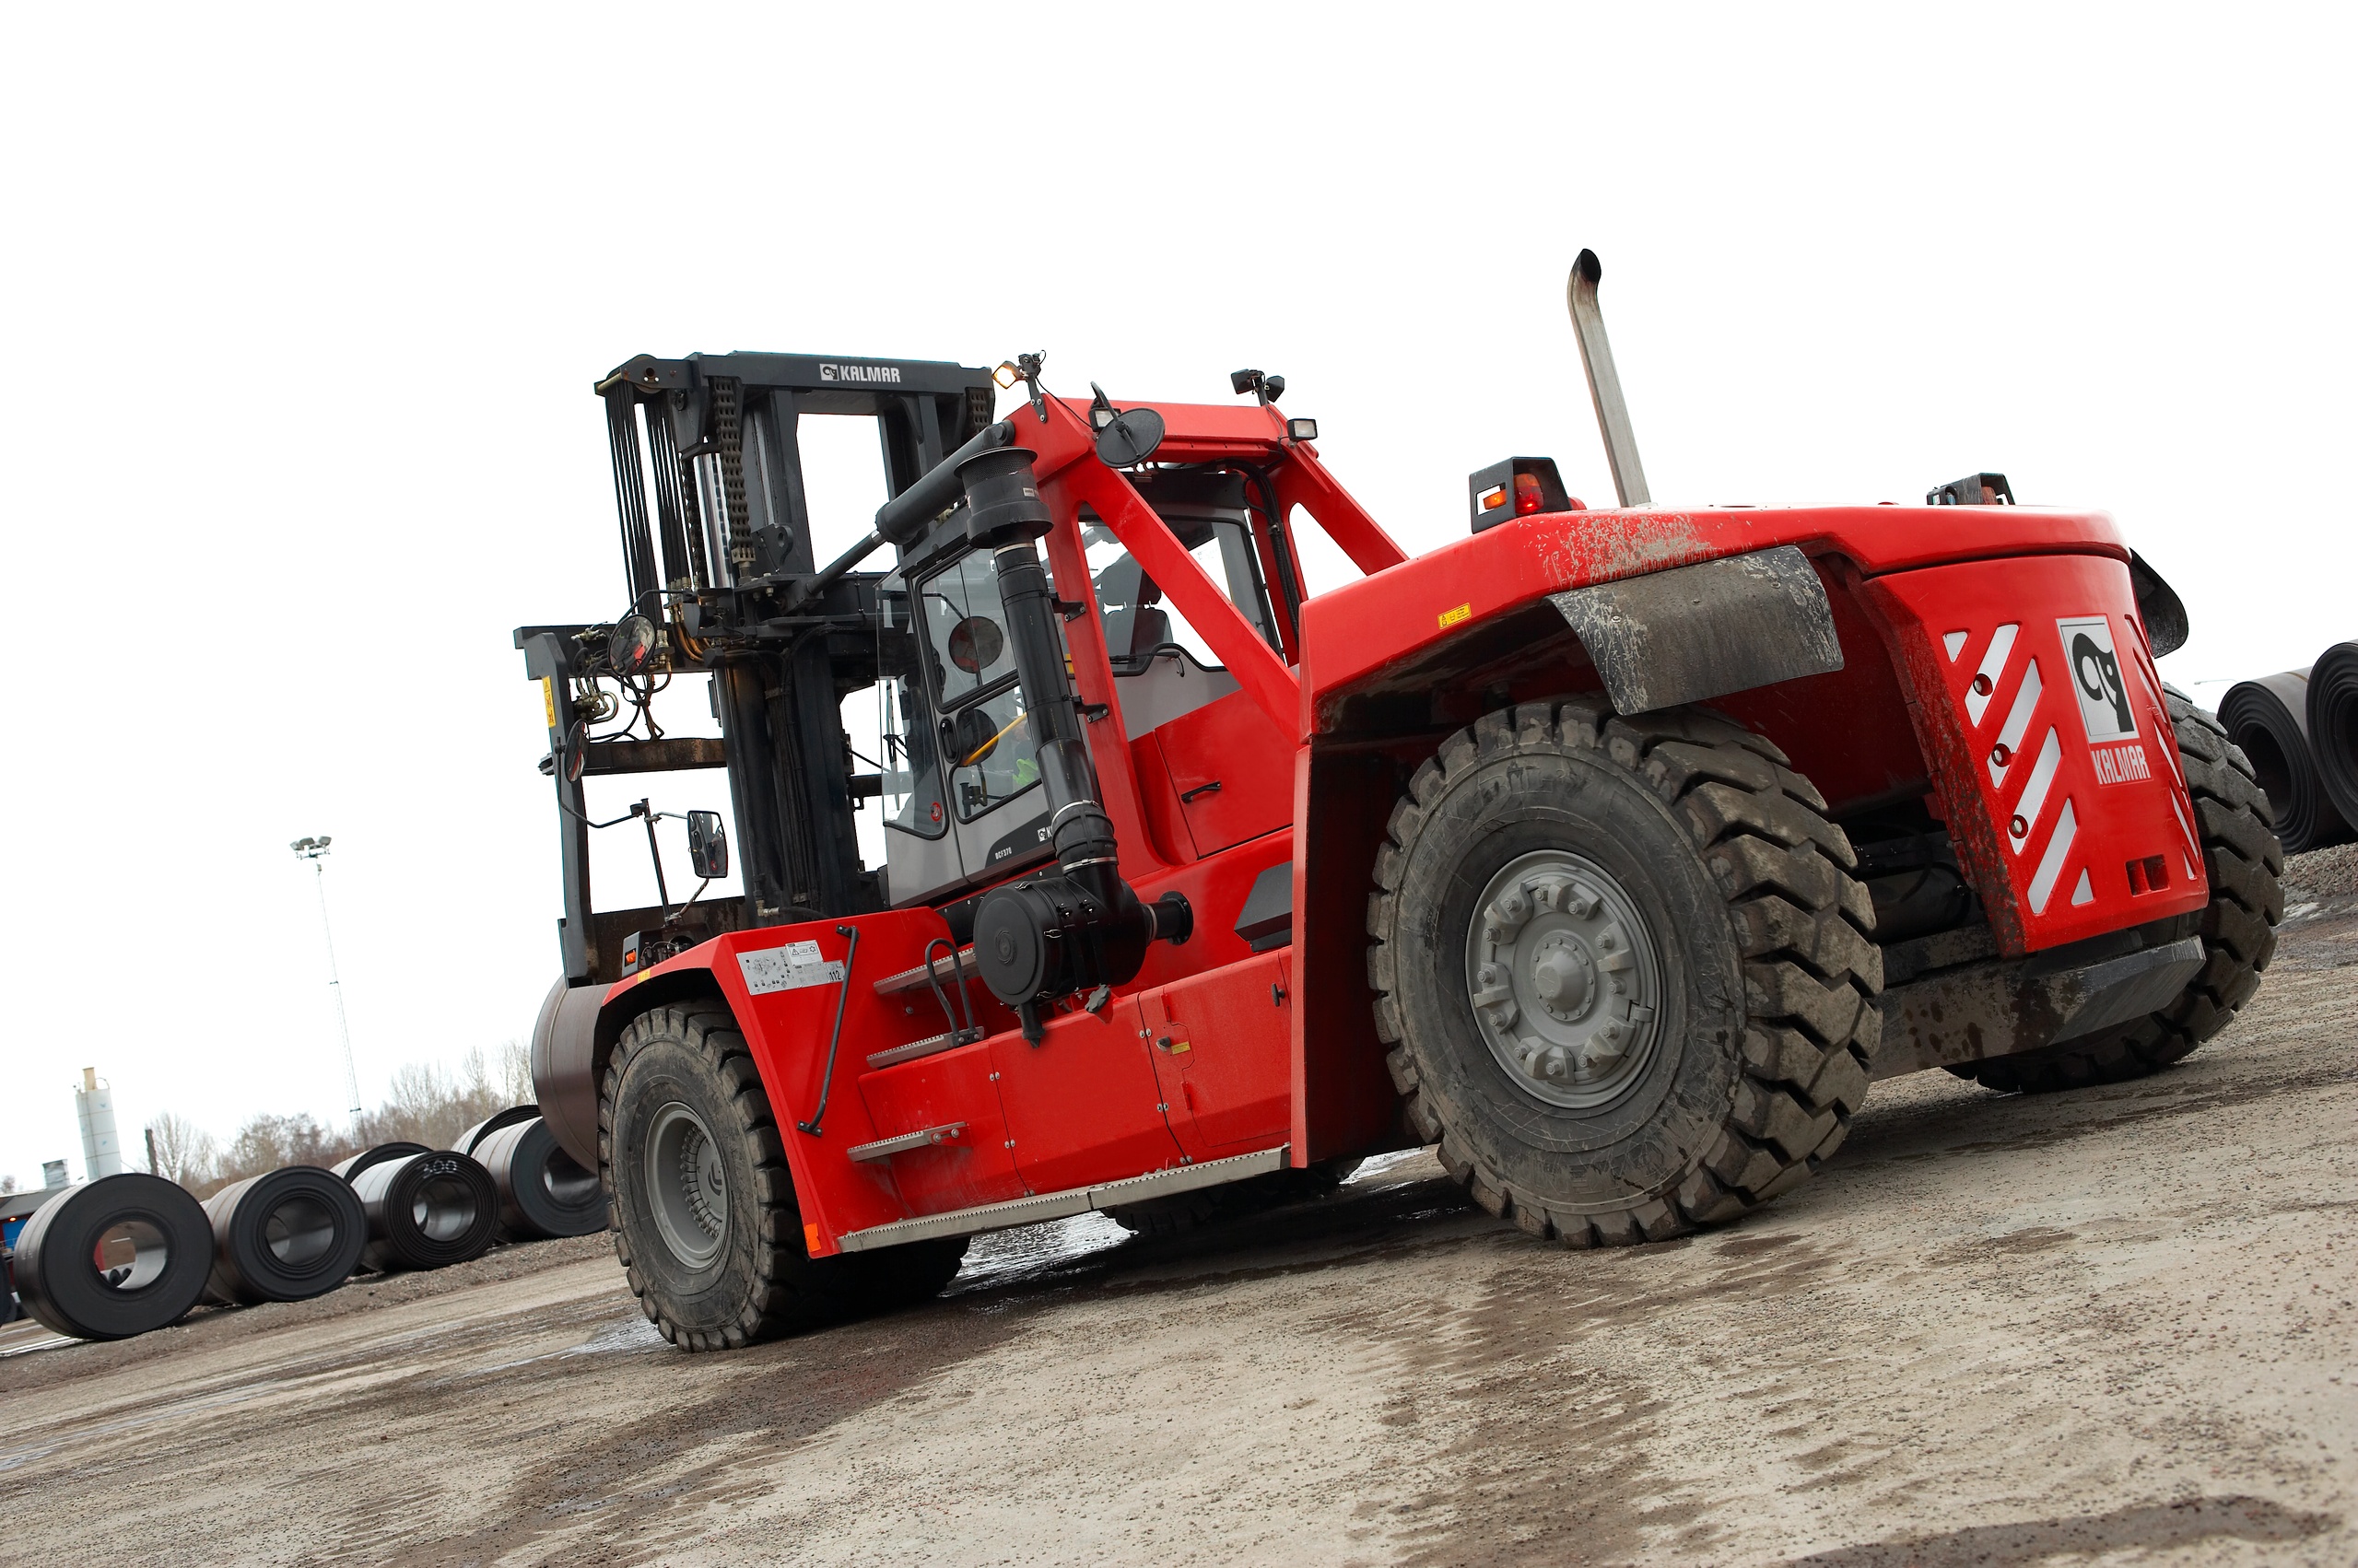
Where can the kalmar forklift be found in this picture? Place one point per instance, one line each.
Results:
(1614, 853)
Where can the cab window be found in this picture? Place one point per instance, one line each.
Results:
(1206, 513)
(986, 743)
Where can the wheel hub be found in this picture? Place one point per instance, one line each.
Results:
(1563, 977)
(686, 1189)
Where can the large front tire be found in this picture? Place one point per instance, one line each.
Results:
(1624, 970)
(703, 1205)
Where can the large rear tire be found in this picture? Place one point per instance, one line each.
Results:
(1624, 970)
(2243, 859)
(703, 1205)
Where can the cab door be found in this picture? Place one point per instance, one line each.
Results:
(1082, 1104)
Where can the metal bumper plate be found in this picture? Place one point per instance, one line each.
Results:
(2008, 1006)
(1073, 1201)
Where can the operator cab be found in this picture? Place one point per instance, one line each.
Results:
(960, 807)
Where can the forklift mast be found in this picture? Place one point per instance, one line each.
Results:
(719, 575)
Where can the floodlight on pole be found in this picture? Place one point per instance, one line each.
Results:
(315, 850)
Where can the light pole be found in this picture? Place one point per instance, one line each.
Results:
(315, 850)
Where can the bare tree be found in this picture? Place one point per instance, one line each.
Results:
(267, 1143)
(516, 1086)
(426, 1105)
(7, 1185)
(429, 1107)
(185, 1153)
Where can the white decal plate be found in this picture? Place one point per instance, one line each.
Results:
(2095, 678)
(787, 969)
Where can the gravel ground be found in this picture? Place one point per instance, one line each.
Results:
(2111, 1326)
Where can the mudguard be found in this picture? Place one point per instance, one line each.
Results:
(1694, 633)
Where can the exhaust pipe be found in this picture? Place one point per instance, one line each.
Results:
(1604, 385)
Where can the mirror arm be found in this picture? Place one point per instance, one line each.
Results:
(692, 897)
(585, 821)
(663, 893)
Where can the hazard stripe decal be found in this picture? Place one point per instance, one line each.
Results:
(1993, 665)
(2033, 800)
(2051, 865)
(2018, 723)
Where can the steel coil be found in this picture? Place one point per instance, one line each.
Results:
(491, 1124)
(428, 1211)
(351, 1165)
(289, 1235)
(542, 1191)
(2269, 719)
(2333, 726)
(122, 1255)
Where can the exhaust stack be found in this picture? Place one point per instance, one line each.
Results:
(1604, 385)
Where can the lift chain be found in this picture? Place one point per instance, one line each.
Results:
(728, 429)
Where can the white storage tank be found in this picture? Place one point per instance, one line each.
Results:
(94, 1104)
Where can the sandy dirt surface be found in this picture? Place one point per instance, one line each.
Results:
(2111, 1326)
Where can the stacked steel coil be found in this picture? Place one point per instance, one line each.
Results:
(127, 1253)
(542, 1192)
(289, 1235)
(2299, 729)
(427, 1208)
(117, 1256)
(2333, 725)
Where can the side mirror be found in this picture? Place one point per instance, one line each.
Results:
(708, 845)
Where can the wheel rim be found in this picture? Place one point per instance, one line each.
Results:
(1565, 979)
(684, 1188)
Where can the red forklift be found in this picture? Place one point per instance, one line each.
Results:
(1614, 851)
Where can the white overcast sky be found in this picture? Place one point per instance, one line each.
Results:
(302, 309)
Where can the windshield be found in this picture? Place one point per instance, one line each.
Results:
(1139, 619)
(986, 741)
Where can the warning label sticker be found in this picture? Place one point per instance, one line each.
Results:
(787, 969)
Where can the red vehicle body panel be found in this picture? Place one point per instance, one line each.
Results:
(2080, 824)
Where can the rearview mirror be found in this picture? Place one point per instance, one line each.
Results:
(708, 845)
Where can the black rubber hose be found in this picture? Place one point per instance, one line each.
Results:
(291, 1234)
(120, 1257)
(427, 1211)
(2267, 718)
(542, 1191)
(491, 1124)
(2333, 726)
(351, 1165)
